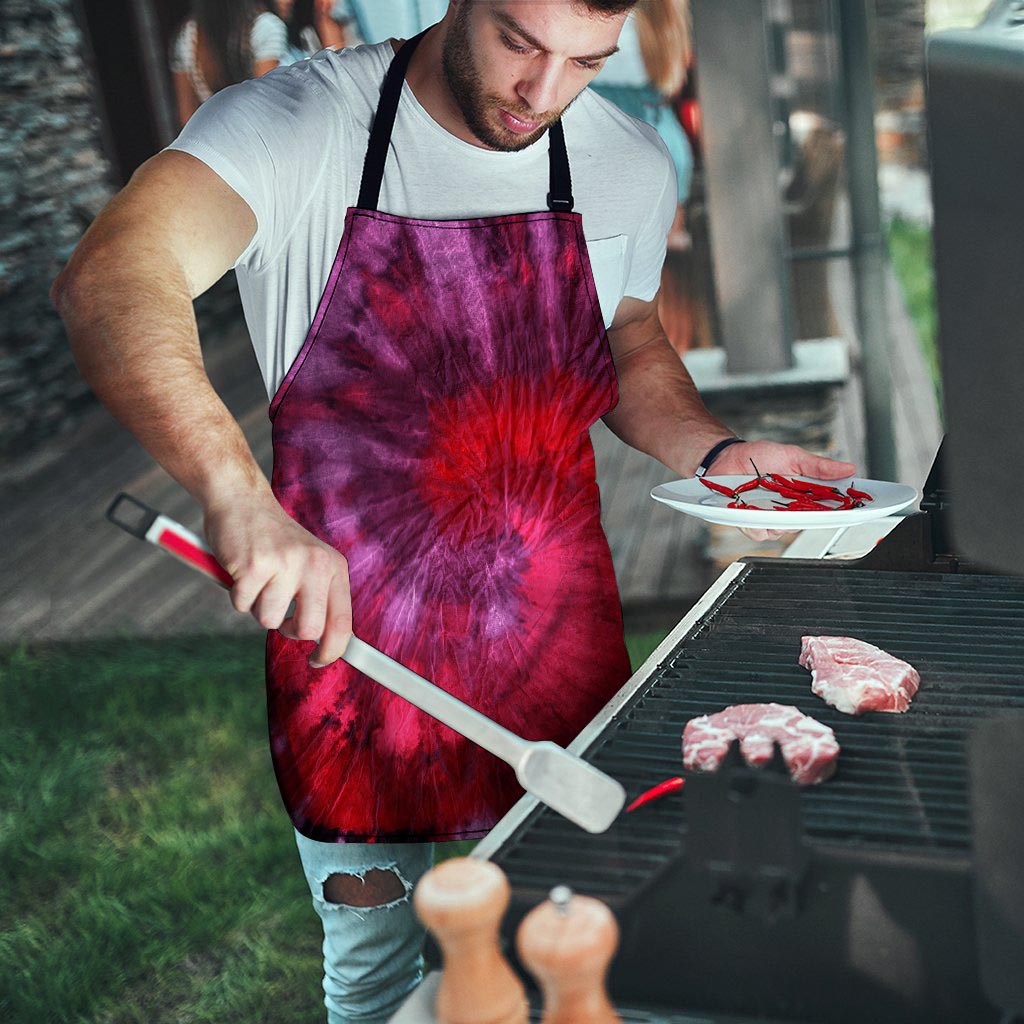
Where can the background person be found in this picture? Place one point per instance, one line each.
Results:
(224, 42)
(647, 75)
(314, 24)
(373, 21)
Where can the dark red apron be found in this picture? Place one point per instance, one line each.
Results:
(434, 429)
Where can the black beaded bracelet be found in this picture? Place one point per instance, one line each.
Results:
(705, 463)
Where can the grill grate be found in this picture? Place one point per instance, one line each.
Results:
(902, 779)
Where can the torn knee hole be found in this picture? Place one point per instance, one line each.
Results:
(373, 889)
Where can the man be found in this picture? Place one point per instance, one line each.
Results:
(433, 379)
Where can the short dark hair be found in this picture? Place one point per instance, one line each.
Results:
(609, 6)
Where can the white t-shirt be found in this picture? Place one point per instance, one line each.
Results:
(292, 144)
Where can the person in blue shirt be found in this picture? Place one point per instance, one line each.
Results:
(649, 71)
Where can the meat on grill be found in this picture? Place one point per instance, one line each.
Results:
(855, 677)
(809, 748)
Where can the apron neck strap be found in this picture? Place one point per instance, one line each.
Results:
(559, 197)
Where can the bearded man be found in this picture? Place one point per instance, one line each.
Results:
(449, 253)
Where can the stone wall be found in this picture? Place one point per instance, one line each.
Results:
(54, 178)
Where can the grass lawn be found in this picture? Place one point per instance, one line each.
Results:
(149, 870)
(910, 246)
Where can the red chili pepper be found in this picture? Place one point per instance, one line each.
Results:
(863, 495)
(809, 487)
(773, 485)
(717, 487)
(793, 485)
(656, 792)
(788, 492)
(750, 485)
(806, 505)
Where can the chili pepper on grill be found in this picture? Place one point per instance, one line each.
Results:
(721, 488)
(656, 792)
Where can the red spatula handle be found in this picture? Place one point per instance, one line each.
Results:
(147, 524)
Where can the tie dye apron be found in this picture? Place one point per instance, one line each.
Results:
(434, 429)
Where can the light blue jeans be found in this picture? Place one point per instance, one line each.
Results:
(373, 956)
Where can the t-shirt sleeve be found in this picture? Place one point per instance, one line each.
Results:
(269, 38)
(651, 240)
(268, 139)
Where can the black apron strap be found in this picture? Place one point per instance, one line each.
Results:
(383, 122)
(560, 194)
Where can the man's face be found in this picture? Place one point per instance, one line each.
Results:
(513, 66)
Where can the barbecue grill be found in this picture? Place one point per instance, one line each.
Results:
(893, 892)
(744, 896)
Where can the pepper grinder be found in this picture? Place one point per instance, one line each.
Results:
(462, 901)
(567, 942)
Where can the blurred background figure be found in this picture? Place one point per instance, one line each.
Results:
(223, 42)
(646, 79)
(372, 21)
(315, 24)
(647, 75)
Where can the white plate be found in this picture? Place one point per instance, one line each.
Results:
(693, 498)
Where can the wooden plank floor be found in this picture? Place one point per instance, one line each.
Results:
(70, 574)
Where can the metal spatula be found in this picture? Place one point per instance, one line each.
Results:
(567, 784)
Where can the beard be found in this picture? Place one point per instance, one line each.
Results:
(466, 86)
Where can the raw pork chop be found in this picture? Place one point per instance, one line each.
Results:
(809, 748)
(855, 677)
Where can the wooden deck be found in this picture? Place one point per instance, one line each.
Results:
(70, 574)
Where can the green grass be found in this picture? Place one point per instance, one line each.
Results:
(910, 246)
(148, 872)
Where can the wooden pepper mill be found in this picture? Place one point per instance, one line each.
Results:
(567, 943)
(462, 901)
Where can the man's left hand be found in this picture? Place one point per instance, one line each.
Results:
(771, 457)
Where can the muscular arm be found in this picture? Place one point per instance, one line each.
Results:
(661, 413)
(659, 410)
(126, 300)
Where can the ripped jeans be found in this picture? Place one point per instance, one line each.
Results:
(373, 946)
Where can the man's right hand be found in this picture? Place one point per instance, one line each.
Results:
(273, 562)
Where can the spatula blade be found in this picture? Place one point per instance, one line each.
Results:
(577, 790)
